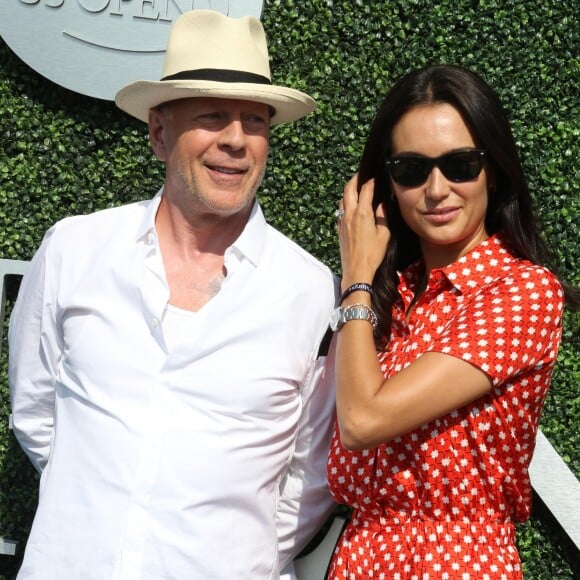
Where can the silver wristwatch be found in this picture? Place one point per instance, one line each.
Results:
(341, 316)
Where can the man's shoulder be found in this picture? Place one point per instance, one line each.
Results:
(292, 256)
(100, 223)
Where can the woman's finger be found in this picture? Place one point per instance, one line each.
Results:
(350, 197)
(366, 194)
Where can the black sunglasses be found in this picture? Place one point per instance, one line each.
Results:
(413, 170)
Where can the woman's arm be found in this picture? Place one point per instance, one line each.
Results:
(450, 373)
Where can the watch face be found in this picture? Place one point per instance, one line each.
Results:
(336, 320)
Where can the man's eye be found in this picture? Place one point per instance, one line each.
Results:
(255, 122)
(209, 116)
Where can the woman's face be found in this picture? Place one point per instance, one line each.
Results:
(448, 217)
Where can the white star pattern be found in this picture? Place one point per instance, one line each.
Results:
(440, 502)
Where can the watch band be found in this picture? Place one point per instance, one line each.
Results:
(353, 312)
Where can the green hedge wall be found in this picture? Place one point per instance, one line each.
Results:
(62, 154)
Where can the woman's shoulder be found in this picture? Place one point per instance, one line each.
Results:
(504, 266)
(528, 276)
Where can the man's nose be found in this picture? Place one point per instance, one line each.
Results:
(233, 134)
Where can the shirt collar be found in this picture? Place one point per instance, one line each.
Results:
(251, 241)
(147, 226)
(249, 244)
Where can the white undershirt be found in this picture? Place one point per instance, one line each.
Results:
(174, 321)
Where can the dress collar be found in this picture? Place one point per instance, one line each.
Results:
(481, 265)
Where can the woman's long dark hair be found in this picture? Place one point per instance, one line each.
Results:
(509, 211)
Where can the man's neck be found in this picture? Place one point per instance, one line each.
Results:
(192, 249)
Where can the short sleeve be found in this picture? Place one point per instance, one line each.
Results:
(509, 327)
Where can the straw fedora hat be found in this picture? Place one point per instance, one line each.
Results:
(212, 55)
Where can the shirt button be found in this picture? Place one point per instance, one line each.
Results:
(151, 239)
(154, 322)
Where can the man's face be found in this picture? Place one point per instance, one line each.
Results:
(215, 151)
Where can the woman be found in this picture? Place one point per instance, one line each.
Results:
(442, 275)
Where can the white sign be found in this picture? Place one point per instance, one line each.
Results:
(94, 47)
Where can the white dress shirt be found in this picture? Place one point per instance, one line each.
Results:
(203, 461)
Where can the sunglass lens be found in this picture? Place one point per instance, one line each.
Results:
(459, 166)
(410, 171)
(462, 166)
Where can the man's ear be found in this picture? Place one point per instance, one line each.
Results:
(157, 121)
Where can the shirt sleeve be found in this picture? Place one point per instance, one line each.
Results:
(510, 327)
(34, 353)
(305, 501)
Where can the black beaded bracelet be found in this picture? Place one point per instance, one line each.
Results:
(359, 286)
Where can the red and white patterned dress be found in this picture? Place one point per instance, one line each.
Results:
(440, 501)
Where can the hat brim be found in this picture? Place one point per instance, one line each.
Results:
(138, 97)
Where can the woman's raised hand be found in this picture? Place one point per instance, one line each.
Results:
(362, 232)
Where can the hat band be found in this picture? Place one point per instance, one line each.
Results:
(218, 75)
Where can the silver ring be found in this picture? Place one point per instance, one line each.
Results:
(339, 214)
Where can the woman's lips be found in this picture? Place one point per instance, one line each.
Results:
(442, 215)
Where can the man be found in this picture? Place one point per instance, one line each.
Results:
(167, 364)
